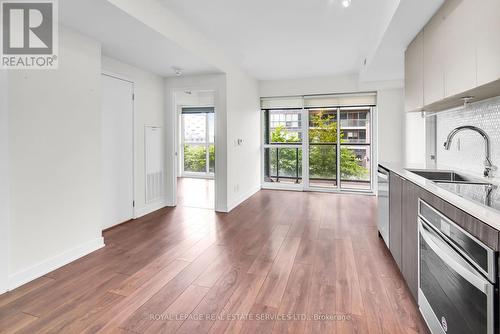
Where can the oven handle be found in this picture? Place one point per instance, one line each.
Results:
(450, 257)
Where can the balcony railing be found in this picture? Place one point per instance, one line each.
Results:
(284, 164)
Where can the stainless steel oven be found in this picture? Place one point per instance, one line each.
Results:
(456, 277)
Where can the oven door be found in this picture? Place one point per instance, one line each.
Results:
(452, 295)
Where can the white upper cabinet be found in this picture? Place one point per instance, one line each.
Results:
(459, 53)
(459, 44)
(433, 59)
(488, 40)
(414, 74)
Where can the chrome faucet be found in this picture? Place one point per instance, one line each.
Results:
(488, 166)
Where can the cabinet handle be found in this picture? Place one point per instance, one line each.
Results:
(382, 176)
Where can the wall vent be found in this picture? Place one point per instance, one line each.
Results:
(154, 164)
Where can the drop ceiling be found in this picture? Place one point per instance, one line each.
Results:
(129, 40)
(282, 39)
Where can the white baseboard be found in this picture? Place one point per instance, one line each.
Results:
(46, 266)
(242, 198)
(148, 208)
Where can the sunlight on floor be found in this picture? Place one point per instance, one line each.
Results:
(197, 193)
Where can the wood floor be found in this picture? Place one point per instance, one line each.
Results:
(195, 192)
(278, 257)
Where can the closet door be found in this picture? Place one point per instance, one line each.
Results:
(117, 137)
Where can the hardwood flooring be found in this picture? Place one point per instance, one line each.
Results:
(203, 197)
(267, 266)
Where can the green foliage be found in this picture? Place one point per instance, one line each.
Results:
(322, 158)
(211, 158)
(323, 129)
(288, 161)
(281, 135)
(195, 158)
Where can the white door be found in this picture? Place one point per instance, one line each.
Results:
(117, 130)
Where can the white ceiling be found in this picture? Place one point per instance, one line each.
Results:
(127, 39)
(281, 39)
(386, 62)
(277, 39)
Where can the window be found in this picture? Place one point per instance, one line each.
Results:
(282, 146)
(318, 147)
(198, 142)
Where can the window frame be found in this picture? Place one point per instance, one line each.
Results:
(304, 146)
(206, 143)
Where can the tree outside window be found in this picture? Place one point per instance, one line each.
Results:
(322, 158)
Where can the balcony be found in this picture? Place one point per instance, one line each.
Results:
(284, 166)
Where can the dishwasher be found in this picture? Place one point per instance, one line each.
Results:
(383, 203)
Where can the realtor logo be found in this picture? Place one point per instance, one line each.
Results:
(29, 34)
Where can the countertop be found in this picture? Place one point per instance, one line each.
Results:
(487, 215)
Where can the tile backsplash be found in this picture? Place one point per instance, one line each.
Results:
(467, 150)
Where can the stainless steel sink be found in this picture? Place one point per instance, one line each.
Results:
(444, 176)
(475, 189)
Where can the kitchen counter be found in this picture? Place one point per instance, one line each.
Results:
(487, 215)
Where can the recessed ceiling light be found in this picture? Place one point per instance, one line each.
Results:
(346, 3)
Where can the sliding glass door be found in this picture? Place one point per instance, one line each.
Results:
(198, 142)
(339, 148)
(323, 148)
(355, 149)
(334, 141)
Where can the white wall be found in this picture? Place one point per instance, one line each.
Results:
(149, 106)
(318, 85)
(55, 160)
(414, 139)
(390, 118)
(243, 122)
(195, 98)
(4, 185)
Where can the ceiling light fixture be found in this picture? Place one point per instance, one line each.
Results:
(177, 71)
(346, 3)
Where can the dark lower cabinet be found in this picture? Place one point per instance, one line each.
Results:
(403, 233)
(395, 192)
(403, 226)
(409, 235)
